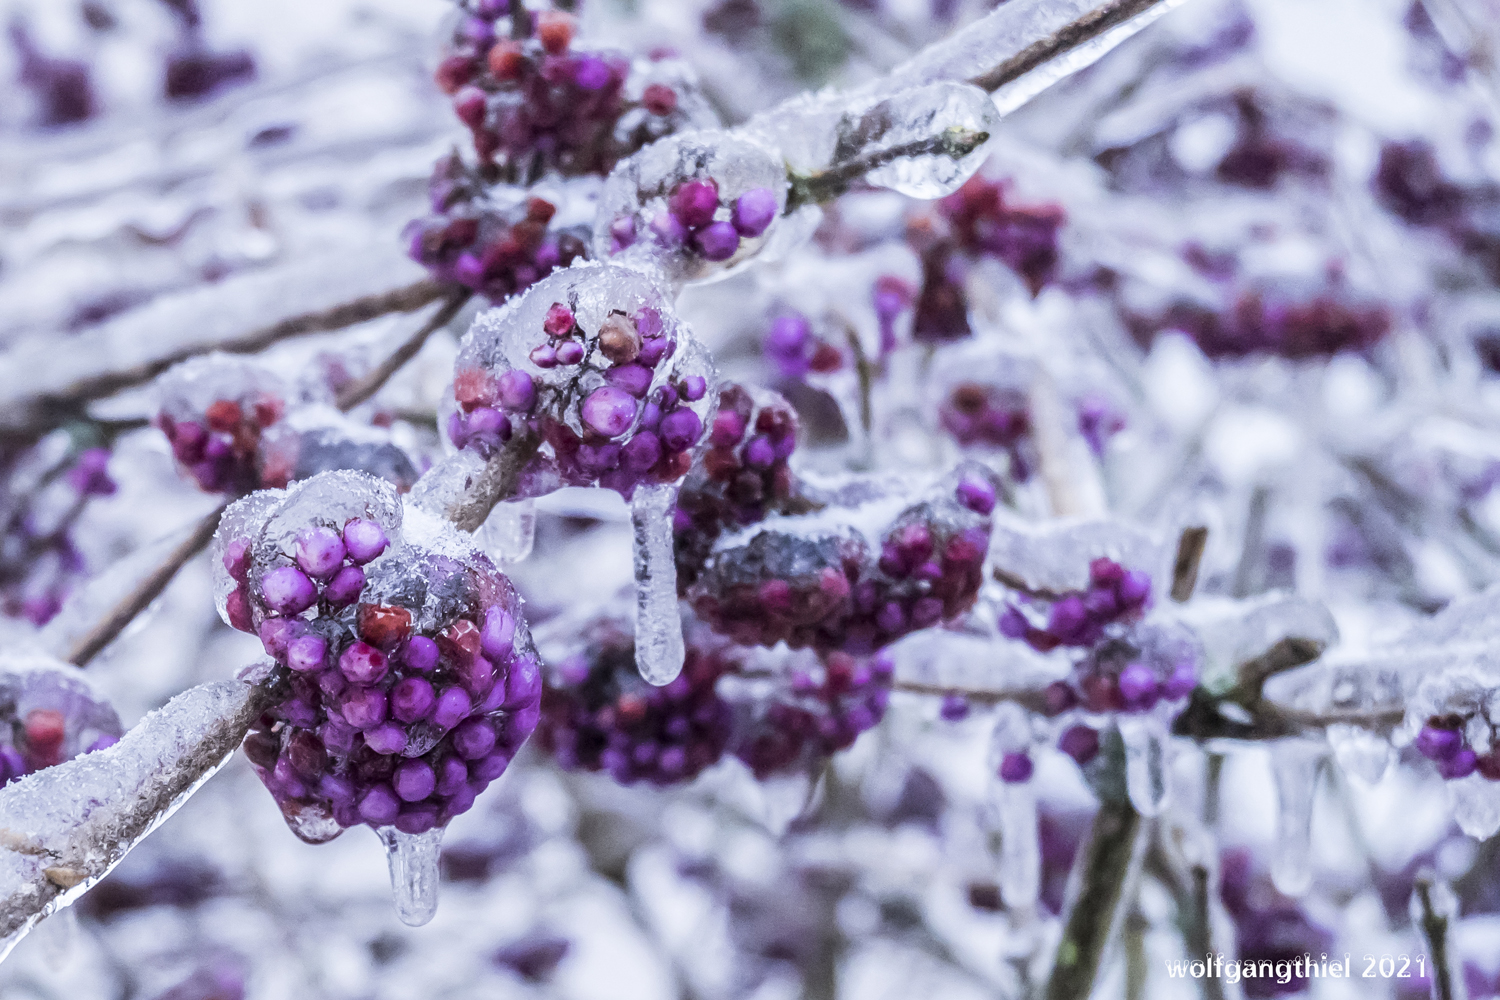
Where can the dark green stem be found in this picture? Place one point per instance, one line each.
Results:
(825, 185)
(1434, 926)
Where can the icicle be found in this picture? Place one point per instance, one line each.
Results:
(1476, 805)
(1361, 753)
(1295, 763)
(61, 939)
(659, 649)
(1020, 850)
(413, 858)
(1145, 737)
(781, 799)
(510, 530)
(1015, 800)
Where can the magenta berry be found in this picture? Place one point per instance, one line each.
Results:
(364, 540)
(288, 591)
(1016, 767)
(320, 552)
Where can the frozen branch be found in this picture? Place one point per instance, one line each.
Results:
(1185, 565)
(368, 385)
(64, 828)
(1433, 909)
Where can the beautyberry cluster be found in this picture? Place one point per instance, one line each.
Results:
(973, 223)
(828, 703)
(694, 217)
(224, 421)
(598, 715)
(412, 681)
(1081, 617)
(594, 394)
(535, 102)
(494, 241)
(835, 590)
(1261, 322)
(1444, 741)
(1410, 183)
(989, 416)
(744, 474)
(49, 714)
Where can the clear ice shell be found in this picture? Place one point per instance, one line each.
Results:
(1055, 555)
(1476, 805)
(1295, 765)
(1145, 736)
(906, 137)
(638, 189)
(659, 648)
(1360, 753)
(413, 860)
(29, 682)
(510, 531)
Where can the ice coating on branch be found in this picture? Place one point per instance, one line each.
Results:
(1235, 631)
(659, 649)
(64, 828)
(923, 142)
(1295, 764)
(588, 379)
(861, 572)
(1055, 555)
(697, 204)
(49, 713)
(1146, 737)
(413, 679)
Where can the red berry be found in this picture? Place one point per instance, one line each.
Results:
(224, 415)
(659, 99)
(506, 60)
(45, 729)
(454, 72)
(554, 29)
(384, 625)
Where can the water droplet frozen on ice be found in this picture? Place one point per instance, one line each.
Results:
(413, 859)
(1295, 765)
(510, 530)
(1361, 753)
(1476, 805)
(1145, 737)
(659, 649)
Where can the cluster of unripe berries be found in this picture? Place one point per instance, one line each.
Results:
(223, 448)
(535, 102)
(599, 715)
(1080, 618)
(1443, 741)
(983, 415)
(744, 474)
(832, 592)
(976, 222)
(384, 724)
(492, 250)
(694, 219)
(620, 433)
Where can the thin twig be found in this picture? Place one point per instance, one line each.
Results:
(1070, 36)
(146, 591)
(362, 389)
(1185, 566)
(825, 185)
(1107, 861)
(68, 402)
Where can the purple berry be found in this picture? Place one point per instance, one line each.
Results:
(307, 653)
(420, 653)
(237, 559)
(608, 411)
(634, 379)
(1460, 765)
(453, 707)
(364, 708)
(414, 780)
(320, 552)
(1016, 768)
(364, 540)
(1138, 686)
(641, 452)
(362, 663)
(977, 495)
(694, 203)
(412, 698)
(591, 73)
(681, 429)
(386, 739)
(753, 211)
(1079, 742)
(1439, 744)
(955, 708)
(717, 241)
(379, 806)
(497, 638)
(288, 591)
(569, 352)
(516, 391)
(473, 739)
(345, 587)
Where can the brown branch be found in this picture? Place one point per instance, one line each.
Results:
(148, 590)
(1070, 36)
(68, 402)
(1185, 566)
(1014, 582)
(363, 388)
